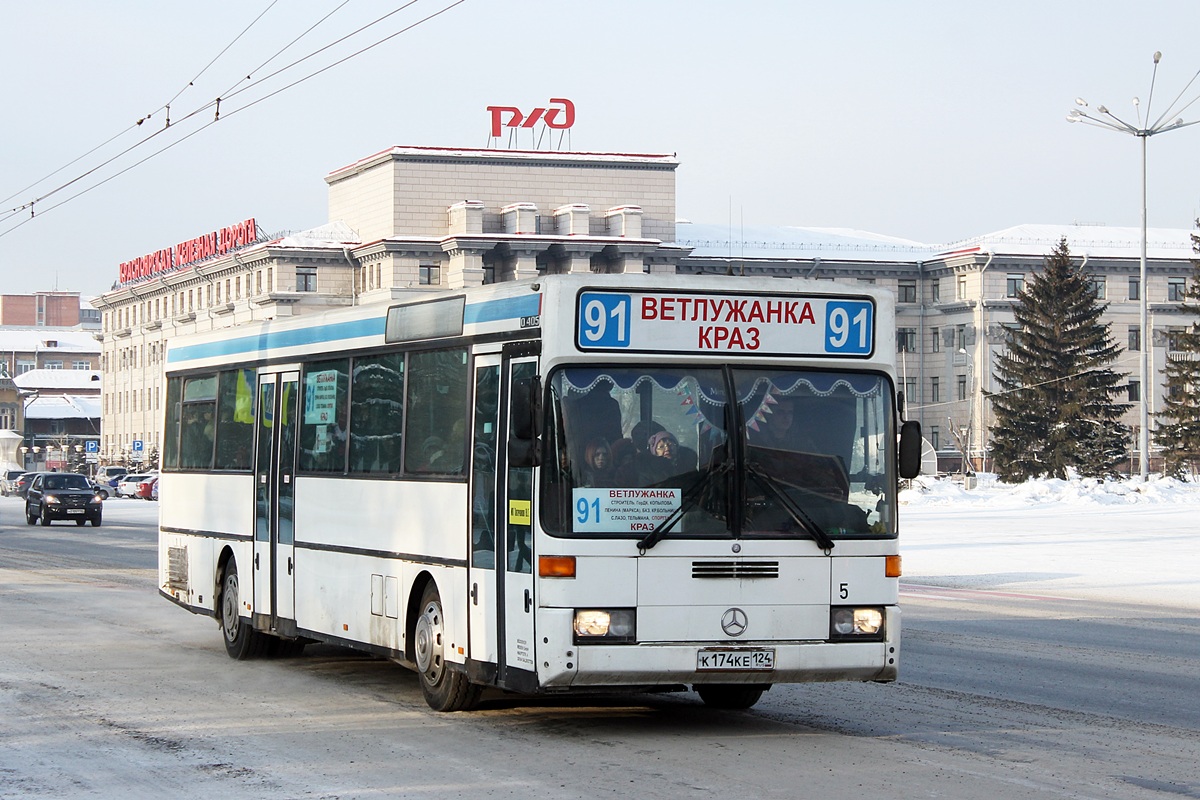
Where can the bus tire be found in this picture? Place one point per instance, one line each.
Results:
(241, 640)
(444, 686)
(730, 695)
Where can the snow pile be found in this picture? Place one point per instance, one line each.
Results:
(991, 493)
(1128, 541)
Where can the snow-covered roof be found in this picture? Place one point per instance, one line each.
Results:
(36, 340)
(1098, 241)
(63, 406)
(781, 242)
(334, 234)
(61, 379)
(847, 244)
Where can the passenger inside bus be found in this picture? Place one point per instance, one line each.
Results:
(598, 465)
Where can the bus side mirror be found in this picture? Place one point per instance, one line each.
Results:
(524, 441)
(910, 449)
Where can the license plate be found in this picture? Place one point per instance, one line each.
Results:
(735, 660)
(74, 510)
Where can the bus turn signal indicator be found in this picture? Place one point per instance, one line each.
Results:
(556, 566)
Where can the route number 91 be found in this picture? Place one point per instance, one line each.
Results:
(604, 320)
(849, 327)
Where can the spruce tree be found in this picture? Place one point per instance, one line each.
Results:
(1056, 408)
(1178, 429)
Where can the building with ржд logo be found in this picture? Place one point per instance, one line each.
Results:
(414, 220)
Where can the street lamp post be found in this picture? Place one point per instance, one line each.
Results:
(1143, 132)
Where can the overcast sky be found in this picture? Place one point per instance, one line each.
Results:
(933, 121)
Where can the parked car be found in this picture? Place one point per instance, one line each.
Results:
(128, 486)
(110, 475)
(22, 484)
(8, 481)
(148, 489)
(103, 489)
(63, 495)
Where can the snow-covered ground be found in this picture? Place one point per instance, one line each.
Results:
(1128, 541)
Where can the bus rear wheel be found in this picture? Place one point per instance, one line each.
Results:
(444, 686)
(241, 640)
(730, 695)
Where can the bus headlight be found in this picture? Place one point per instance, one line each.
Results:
(856, 623)
(605, 624)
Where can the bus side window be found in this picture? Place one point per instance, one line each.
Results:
(435, 412)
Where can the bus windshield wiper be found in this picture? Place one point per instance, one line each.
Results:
(690, 498)
(771, 485)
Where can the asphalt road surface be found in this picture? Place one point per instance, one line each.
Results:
(106, 690)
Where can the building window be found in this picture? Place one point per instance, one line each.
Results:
(1135, 391)
(906, 340)
(907, 292)
(429, 275)
(1175, 337)
(306, 279)
(960, 337)
(935, 340)
(910, 390)
(1135, 288)
(935, 290)
(258, 282)
(1135, 338)
(960, 288)
(962, 387)
(237, 286)
(1097, 286)
(935, 437)
(1176, 289)
(81, 365)
(935, 390)
(1014, 285)
(54, 365)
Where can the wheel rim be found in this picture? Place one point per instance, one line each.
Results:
(230, 619)
(430, 659)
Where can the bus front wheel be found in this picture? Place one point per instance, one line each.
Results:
(730, 695)
(241, 640)
(445, 687)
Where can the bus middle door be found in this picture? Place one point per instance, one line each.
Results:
(274, 503)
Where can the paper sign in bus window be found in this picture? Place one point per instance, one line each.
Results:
(622, 510)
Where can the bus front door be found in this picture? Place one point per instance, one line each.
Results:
(517, 668)
(274, 503)
(501, 599)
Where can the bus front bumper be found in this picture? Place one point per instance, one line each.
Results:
(596, 665)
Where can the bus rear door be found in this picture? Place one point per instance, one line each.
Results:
(274, 503)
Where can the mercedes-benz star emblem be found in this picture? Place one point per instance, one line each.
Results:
(734, 622)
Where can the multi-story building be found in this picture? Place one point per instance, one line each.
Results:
(413, 220)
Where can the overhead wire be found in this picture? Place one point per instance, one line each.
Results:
(141, 120)
(217, 117)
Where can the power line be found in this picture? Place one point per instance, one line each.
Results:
(138, 123)
(217, 116)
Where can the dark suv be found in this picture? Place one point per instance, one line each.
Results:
(62, 495)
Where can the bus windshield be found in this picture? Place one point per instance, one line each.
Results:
(627, 448)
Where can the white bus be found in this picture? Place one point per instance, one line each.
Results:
(575, 483)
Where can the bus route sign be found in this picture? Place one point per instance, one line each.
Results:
(683, 322)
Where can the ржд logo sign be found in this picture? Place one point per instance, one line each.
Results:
(516, 119)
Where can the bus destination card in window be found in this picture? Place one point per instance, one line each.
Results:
(685, 322)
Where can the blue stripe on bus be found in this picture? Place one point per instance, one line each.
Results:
(267, 340)
(529, 305)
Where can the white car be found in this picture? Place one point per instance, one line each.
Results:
(128, 486)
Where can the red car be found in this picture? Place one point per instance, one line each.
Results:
(147, 489)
